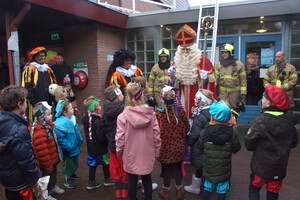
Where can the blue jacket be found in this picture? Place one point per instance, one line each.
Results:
(68, 137)
(18, 168)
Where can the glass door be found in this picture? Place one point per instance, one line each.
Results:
(258, 54)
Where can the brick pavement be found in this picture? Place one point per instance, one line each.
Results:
(239, 181)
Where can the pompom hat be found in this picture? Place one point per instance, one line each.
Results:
(220, 112)
(277, 96)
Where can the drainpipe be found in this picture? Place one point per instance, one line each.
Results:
(9, 56)
(13, 44)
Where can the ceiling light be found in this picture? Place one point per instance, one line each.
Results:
(261, 29)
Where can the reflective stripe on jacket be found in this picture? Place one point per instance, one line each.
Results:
(287, 79)
(157, 80)
(288, 75)
(231, 78)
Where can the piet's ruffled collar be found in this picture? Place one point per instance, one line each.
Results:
(127, 72)
(40, 67)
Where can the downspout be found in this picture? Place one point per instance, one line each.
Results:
(13, 43)
(9, 56)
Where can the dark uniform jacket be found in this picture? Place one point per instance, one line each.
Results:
(96, 146)
(270, 138)
(200, 121)
(218, 142)
(60, 72)
(110, 115)
(18, 167)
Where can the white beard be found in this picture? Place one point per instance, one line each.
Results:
(187, 65)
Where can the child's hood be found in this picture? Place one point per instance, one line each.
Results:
(280, 125)
(139, 116)
(113, 109)
(219, 134)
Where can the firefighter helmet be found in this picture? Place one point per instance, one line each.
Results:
(228, 47)
(163, 52)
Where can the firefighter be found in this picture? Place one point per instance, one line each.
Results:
(283, 75)
(231, 79)
(159, 75)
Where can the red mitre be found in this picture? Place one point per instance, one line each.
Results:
(186, 36)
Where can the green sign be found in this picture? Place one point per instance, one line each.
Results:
(80, 64)
(55, 36)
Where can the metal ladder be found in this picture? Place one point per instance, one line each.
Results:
(212, 10)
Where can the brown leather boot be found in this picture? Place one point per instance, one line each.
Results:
(179, 192)
(165, 193)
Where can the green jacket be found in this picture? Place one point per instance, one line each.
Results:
(218, 142)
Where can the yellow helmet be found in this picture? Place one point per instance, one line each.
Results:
(228, 47)
(163, 52)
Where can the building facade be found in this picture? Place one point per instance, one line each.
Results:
(255, 49)
(85, 31)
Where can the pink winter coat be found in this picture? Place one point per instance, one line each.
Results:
(138, 139)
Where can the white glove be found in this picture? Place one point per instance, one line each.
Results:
(203, 74)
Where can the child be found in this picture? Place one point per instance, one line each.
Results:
(203, 99)
(69, 139)
(172, 78)
(19, 175)
(112, 109)
(218, 142)
(143, 81)
(271, 138)
(174, 126)
(44, 145)
(96, 142)
(137, 140)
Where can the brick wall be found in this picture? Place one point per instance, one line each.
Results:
(92, 43)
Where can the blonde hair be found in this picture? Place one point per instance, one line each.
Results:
(132, 89)
(141, 80)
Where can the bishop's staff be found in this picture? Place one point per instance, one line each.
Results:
(207, 25)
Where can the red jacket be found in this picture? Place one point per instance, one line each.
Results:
(45, 147)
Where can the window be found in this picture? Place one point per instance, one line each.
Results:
(295, 45)
(142, 42)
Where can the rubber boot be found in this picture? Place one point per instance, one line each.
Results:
(179, 192)
(195, 186)
(164, 193)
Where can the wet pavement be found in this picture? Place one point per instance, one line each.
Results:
(239, 180)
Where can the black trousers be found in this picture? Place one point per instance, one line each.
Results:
(147, 183)
(92, 172)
